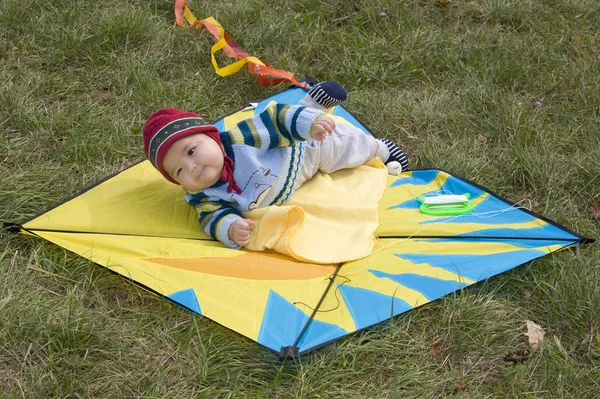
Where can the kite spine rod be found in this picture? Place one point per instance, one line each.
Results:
(16, 228)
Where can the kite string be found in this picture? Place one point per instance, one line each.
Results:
(337, 288)
(479, 215)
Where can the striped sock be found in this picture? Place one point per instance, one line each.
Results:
(396, 154)
(327, 94)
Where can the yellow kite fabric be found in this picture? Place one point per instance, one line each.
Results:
(138, 225)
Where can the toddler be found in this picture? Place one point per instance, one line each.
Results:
(259, 162)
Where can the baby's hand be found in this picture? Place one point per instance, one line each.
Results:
(321, 127)
(239, 232)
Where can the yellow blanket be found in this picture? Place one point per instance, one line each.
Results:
(330, 219)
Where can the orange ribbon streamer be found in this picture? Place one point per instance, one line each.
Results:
(266, 75)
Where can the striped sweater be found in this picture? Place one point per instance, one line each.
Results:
(267, 150)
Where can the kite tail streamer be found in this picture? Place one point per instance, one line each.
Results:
(266, 75)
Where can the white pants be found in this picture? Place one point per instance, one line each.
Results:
(347, 147)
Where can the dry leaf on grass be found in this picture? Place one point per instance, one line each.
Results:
(535, 333)
(434, 348)
(489, 381)
(460, 386)
(595, 214)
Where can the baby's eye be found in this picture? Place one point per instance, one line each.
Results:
(191, 151)
(179, 171)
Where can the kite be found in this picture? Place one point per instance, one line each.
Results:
(138, 225)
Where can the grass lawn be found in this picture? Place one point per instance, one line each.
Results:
(503, 92)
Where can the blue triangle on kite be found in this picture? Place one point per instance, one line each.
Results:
(431, 287)
(417, 178)
(453, 185)
(283, 322)
(370, 307)
(475, 267)
(186, 298)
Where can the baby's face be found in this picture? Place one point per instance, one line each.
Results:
(195, 162)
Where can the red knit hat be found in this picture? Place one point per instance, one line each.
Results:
(165, 126)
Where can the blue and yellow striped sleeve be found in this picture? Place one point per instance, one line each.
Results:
(279, 125)
(215, 217)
